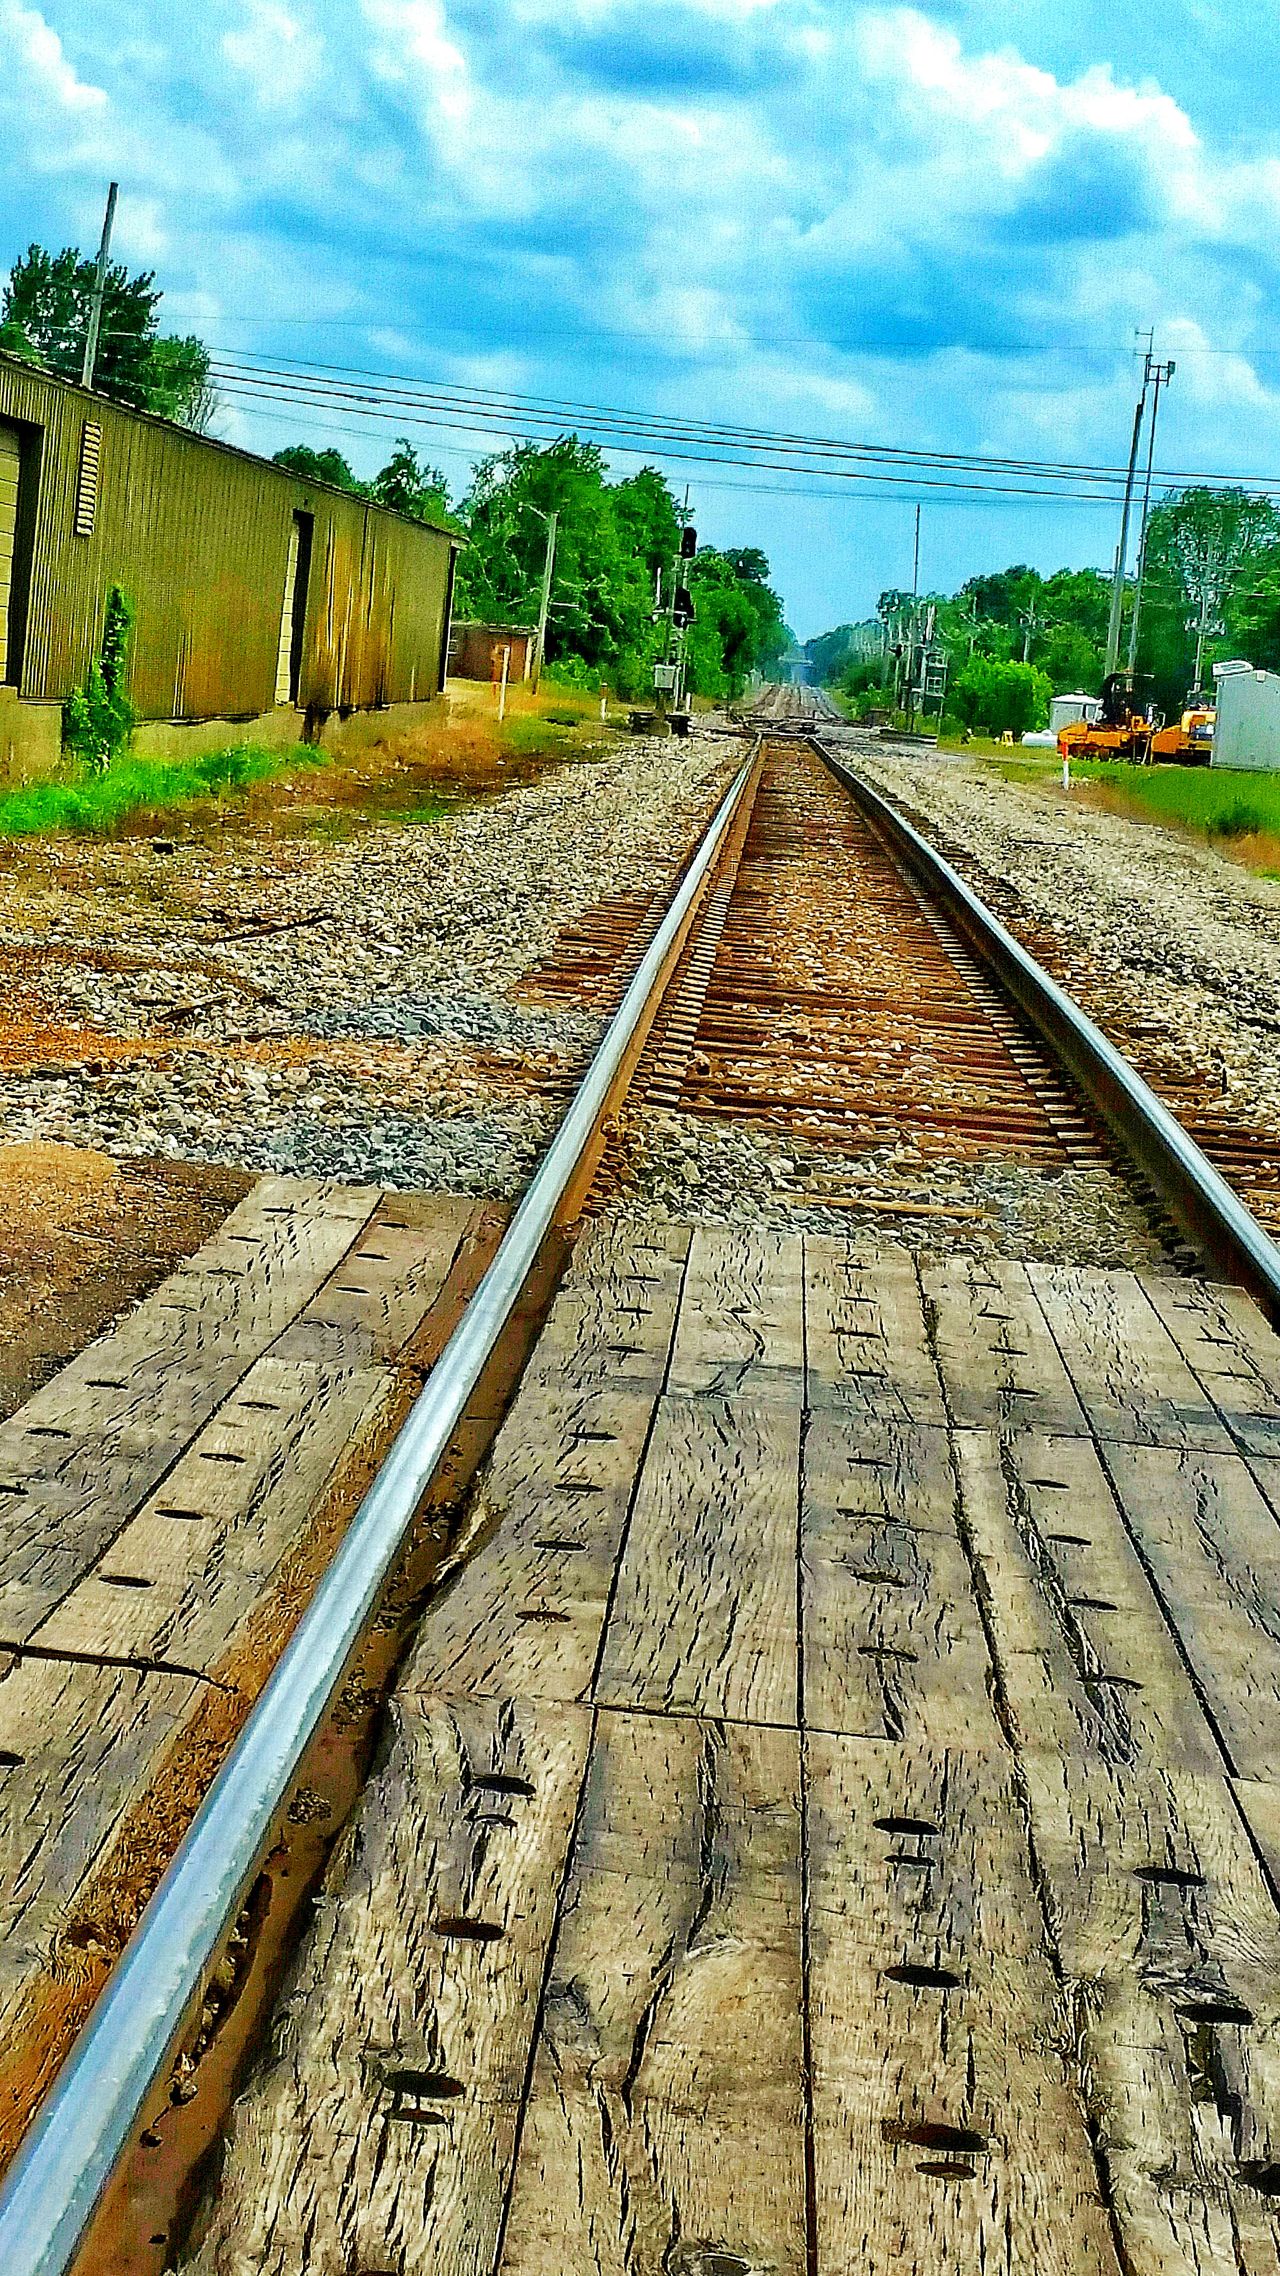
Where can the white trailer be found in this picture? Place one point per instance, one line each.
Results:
(1068, 710)
(1246, 733)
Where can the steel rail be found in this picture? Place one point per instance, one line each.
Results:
(1199, 1200)
(83, 2129)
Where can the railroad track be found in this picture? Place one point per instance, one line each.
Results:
(917, 1013)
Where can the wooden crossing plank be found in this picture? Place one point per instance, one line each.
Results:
(182, 1576)
(1133, 1381)
(1169, 1942)
(704, 1621)
(893, 1639)
(526, 1612)
(1212, 1546)
(740, 1332)
(1087, 1664)
(1000, 1366)
(611, 1325)
(76, 1742)
(82, 1455)
(947, 2122)
(868, 1349)
(378, 1296)
(379, 2128)
(665, 2121)
(1232, 1350)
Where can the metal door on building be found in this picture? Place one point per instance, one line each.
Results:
(9, 465)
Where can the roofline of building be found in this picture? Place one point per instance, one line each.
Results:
(232, 450)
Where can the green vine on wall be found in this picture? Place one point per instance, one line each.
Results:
(98, 719)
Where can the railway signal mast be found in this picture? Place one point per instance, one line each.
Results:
(669, 675)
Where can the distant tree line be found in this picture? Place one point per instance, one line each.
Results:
(1211, 590)
(615, 539)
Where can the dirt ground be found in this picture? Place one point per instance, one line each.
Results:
(82, 1238)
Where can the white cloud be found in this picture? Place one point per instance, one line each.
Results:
(276, 53)
(40, 57)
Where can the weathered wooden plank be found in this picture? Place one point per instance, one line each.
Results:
(1087, 1663)
(1169, 1943)
(665, 2122)
(1231, 1349)
(81, 1456)
(76, 1746)
(947, 2122)
(379, 2129)
(1132, 1380)
(183, 1575)
(704, 1620)
(376, 1299)
(1000, 1366)
(867, 1340)
(1212, 1546)
(740, 1331)
(611, 1325)
(525, 1613)
(893, 1640)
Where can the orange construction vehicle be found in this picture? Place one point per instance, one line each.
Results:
(1190, 742)
(1121, 732)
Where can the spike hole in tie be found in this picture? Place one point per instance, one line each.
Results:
(934, 2134)
(1169, 1876)
(1216, 2011)
(477, 1931)
(501, 1782)
(922, 1978)
(950, 2169)
(125, 1580)
(9, 1760)
(1071, 1540)
(906, 1825)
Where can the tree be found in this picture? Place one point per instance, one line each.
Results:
(179, 386)
(44, 316)
(320, 466)
(1201, 545)
(1000, 698)
(409, 486)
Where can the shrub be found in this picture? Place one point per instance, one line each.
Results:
(998, 699)
(98, 719)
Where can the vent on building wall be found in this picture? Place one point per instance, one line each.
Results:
(87, 481)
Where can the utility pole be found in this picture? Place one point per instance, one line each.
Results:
(1122, 550)
(1159, 375)
(552, 521)
(99, 291)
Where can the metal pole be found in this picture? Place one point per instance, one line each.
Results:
(544, 605)
(87, 2119)
(99, 291)
(502, 689)
(1122, 550)
(1160, 374)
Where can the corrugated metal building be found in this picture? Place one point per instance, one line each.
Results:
(252, 588)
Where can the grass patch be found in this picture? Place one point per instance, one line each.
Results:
(135, 790)
(1238, 812)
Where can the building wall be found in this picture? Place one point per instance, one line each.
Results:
(472, 648)
(1247, 729)
(198, 535)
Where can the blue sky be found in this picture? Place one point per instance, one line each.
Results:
(933, 225)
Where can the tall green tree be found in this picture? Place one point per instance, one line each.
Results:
(1202, 548)
(320, 466)
(44, 316)
(409, 486)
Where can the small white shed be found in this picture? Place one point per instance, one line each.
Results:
(1247, 731)
(1066, 710)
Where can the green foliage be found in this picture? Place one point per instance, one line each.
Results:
(1209, 557)
(409, 486)
(320, 466)
(612, 540)
(179, 386)
(99, 803)
(98, 719)
(44, 316)
(1000, 698)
